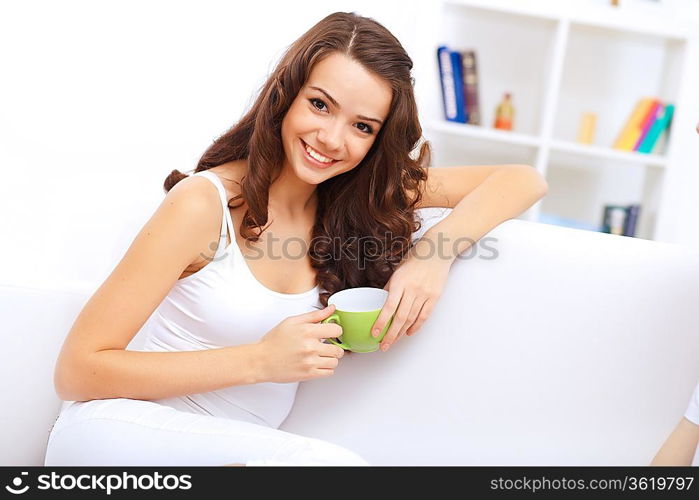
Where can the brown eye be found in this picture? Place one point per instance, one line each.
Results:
(368, 129)
(314, 100)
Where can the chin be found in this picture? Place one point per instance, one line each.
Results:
(310, 177)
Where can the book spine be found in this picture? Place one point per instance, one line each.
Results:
(456, 65)
(470, 72)
(661, 124)
(665, 135)
(613, 219)
(447, 78)
(648, 122)
(629, 134)
(606, 224)
(632, 212)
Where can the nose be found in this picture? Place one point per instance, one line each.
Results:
(330, 137)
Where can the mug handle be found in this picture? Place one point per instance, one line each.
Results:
(335, 318)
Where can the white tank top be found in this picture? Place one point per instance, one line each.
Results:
(223, 304)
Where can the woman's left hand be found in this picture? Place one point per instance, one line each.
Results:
(413, 290)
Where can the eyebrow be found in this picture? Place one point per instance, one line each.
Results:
(337, 105)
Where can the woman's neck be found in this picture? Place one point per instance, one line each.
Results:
(290, 197)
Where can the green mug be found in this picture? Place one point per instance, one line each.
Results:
(356, 310)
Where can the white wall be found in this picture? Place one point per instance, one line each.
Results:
(100, 100)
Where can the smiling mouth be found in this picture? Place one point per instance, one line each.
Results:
(305, 151)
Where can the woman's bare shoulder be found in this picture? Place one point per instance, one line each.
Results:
(231, 174)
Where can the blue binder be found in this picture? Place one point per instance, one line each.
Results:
(452, 83)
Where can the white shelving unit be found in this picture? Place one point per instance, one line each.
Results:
(558, 62)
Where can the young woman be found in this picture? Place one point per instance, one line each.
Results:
(330, 151)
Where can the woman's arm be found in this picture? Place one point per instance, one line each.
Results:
(93, 362)
(482, 197)
(680, 446)
(116, 373)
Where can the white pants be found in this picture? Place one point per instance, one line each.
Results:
(144, 433)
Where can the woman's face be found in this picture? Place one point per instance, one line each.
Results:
(340, 131)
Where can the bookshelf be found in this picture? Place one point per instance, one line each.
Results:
(560, 60)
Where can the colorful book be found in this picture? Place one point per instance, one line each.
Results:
(470, 73)
(661, 124)
(632, 130)
(452, 84)
(652, 116)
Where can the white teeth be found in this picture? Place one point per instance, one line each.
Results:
(317, 156)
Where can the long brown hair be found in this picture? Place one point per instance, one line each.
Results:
(375, 201)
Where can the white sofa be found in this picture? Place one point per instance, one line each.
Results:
(568, 348)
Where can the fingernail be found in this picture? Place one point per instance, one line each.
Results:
(375, 333)
(384, 348)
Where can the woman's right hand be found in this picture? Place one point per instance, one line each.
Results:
(294, 349)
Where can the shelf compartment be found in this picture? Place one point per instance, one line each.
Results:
(521, 71)
(580, 186)
(606, 72)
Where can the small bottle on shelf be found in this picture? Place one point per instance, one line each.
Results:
(504, 113)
